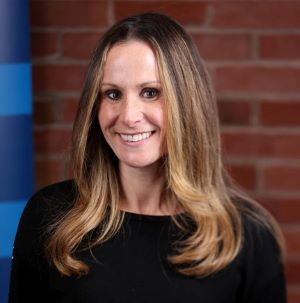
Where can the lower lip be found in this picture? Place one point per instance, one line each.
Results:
(135, 143)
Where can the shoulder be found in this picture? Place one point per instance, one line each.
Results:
(30, 265)
(62, 191)
(52, 199)
(260, 230)
(258, 237)
(42, 209)
(255, 229)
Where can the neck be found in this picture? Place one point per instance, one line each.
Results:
(144, 189)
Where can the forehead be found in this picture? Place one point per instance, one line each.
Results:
(133, 59)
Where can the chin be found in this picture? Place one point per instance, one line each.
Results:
(140, 163)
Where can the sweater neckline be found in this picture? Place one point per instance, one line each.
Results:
(146, 217)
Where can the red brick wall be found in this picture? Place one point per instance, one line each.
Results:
(253, 52)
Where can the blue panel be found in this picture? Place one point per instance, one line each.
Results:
(5, 265)
(10, 213)
(14, 31)
(15, 89)
(16, 176)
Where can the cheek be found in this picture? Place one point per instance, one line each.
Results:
(101, 119)
(106, 116)
(159, 116)
(162, 123)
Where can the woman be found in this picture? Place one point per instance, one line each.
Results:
(151, 215)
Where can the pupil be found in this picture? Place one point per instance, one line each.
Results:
(114, 95)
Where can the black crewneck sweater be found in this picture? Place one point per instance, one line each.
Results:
(132, 267)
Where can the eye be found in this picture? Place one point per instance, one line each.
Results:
(113, 94)
(150, 93)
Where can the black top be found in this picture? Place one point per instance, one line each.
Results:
(131, 267)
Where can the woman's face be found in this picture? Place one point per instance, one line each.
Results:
(131, 112)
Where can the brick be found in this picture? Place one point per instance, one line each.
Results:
(52, 141)
(67, 169)
(293, 271)
(261, 145)
(47, 172)
(285, 210)
(279, 46)
(292, 238)
(44, 44)
(244, 175)
(255, 79)
(58, 77)
(281, 178)
(280, 113)
(235, 112)
(69, 108)
(185, 12)
(45, 113)
(256, 14)
(79, 45)
(293, 296)
(68, 13)
(223, 46)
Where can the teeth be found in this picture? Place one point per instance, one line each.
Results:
(135, 138)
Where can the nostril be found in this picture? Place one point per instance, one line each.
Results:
(131, 119)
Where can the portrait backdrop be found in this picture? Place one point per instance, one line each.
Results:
(16, 164)
(252, 49)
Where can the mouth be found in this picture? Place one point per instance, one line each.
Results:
(136, 137)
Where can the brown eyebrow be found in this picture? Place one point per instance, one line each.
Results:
(150, 82)
(140, 85)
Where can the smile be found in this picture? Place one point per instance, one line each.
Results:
(136, 137)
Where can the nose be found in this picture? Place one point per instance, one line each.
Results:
(131, 112)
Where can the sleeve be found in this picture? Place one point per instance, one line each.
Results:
(28, 282)
(264, 278)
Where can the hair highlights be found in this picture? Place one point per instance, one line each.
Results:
(193, 167)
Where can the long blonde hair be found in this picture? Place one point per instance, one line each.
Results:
(194, 171)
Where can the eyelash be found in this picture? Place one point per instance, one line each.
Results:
(143, 93)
